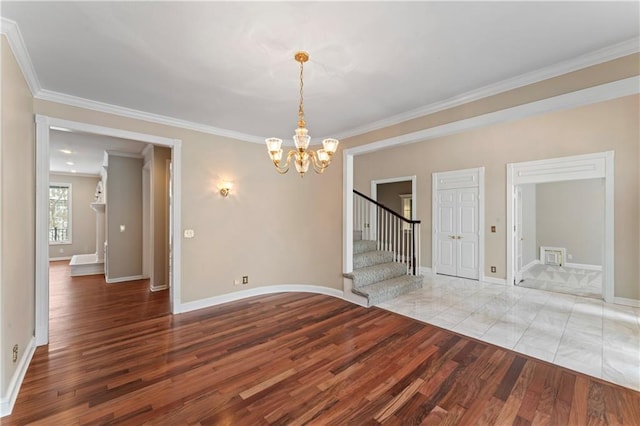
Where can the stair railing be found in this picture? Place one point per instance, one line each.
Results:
(391, 231)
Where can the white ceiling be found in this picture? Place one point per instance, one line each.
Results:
(84, 151)
(230, 65)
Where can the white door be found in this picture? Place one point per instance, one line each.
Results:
(457, 232)
(517, 235)
(446, 232)
(467, 234)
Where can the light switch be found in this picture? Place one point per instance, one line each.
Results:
(189, 233)
(493, 229)
(122, 228)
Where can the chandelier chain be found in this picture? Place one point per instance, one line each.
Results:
(301, 122)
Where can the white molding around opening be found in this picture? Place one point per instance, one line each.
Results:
(588, 166)
(43, 125)
(413, 179)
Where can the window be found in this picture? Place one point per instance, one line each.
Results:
(407, 206)
(60, 213)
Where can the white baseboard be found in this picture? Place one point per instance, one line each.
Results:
(492, 280)
(350, 296)
(627, 302)
(425, 270)
(53, 259)
(123, 279)
(257, 291)
(530, 265)
(584, 266)
(159, 287)
(9, 398)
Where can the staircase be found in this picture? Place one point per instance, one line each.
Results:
(376, 276)
(386, 267)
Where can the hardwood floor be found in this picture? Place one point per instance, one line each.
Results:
(117, 356)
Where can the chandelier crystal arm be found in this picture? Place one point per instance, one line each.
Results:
(284, 169)
(318, 165)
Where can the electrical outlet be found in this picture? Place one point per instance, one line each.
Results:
(493, 269)
(245, 279)
(493, 228)
(15, 353)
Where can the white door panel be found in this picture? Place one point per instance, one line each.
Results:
(457, 232)
(446, 257)
(447, 220)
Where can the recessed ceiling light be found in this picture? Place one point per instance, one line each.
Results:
(65, 151)
(70, 163)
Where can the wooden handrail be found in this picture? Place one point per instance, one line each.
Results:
(385, 208)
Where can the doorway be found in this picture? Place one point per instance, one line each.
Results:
(398, 194)
(597, 167)
(558, 236)
(44, 124)
(458, 223)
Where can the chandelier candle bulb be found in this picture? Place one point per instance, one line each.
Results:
(304, 157)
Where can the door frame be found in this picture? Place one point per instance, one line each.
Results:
(374, 195)
(466, 178)
(518, 235)
(43, 125)
(577, 167)
(413, 179)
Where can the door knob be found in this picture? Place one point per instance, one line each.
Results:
(453, 237)
(459, 237)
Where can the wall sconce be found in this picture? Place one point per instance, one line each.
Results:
(225, 188)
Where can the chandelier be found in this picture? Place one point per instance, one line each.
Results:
(303, 156)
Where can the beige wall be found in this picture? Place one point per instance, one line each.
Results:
(83, 218)
(612, 125)
(275, 229)
(388, 194)
(571, 215)
(161, 216)
(124, 208)
(17, 210)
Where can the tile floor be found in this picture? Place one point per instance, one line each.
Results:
(563, 279)
(579, 333)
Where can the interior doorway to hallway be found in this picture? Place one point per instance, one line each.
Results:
(44, 126)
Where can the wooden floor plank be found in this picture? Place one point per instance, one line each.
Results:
(118, 356)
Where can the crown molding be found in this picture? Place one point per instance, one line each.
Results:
(591, 95)
(62, 98)
(82, 175)
(10, 29)
(609, 53)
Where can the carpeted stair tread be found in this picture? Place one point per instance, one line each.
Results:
(372, 274)
(363, 246)
(388, 289)
(370, 258)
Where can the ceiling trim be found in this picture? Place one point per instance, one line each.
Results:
(10, 29)
(83, 175)
(63, 98)
(614, 90)
(609, 53)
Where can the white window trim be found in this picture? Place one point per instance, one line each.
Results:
(69, 240)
